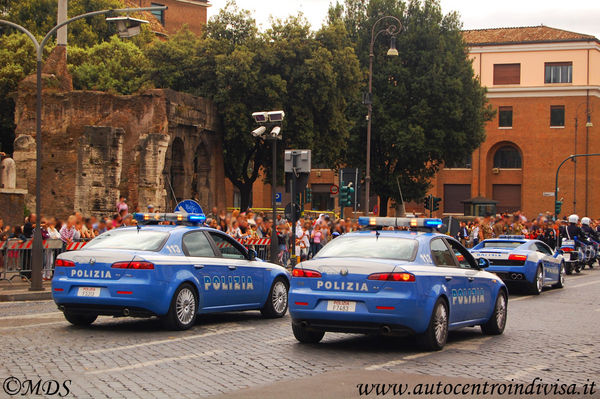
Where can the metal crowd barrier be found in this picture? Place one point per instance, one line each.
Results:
(262, 246)
(16, 258)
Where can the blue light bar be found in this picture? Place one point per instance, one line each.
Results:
(170, 217)
(512, 237)
(399, 222)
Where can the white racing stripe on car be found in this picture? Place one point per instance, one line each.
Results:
(171, 340)
(154, 362)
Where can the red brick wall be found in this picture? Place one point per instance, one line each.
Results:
(542, 149)
(181, 13)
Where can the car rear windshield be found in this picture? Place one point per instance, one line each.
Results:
(135, 240)
(370, 246)
(500, 244)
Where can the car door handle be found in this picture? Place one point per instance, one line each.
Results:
(471, 279)
(448, 278)
(232, 267)
(199, 266)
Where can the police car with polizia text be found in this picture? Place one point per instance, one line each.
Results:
(395, 282)
(520, 261)
(171, 271)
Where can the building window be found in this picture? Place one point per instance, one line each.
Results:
(505, 117)
(159, 14)
(507, 157)
(557, 116)
(507, 74)
(558, 72)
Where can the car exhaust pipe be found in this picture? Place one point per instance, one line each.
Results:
(386, 330)
(125, 312)
(514, 276)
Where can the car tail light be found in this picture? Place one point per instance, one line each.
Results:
(521, 258)
(133, 265)
(392, 277)
(301, 303)
(64, 263)
(385, 307)
(124, 292)
(59, 289)
(305, 273)
(567, 249)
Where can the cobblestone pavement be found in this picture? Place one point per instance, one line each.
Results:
(551, 336)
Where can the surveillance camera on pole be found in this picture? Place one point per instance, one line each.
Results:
(260, 117)
(275, 131)
(276, 116)
(259, 131)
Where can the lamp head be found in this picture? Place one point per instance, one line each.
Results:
(127, 26)
(392, 52)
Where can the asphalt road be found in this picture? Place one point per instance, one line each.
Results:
(554, 336)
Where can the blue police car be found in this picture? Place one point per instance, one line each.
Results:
(395, 283)
(171, 271)
(520, 261)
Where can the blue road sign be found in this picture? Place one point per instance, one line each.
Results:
(278, 198)
(189, 206)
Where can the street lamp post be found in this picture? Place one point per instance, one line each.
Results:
(37, 248)
(391, 30)
(588, 124)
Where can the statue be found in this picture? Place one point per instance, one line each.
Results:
(8, 174)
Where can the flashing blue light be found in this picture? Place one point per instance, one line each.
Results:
(197, 218)
(432, 222)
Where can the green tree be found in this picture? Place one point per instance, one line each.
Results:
(428, 107)
(311, 76)
(16, 62)
(116, 66)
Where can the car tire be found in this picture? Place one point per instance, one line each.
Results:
(78, 319)
(561, 277)
(538, 282)
(277, 301)
(436, 335)
(569, 269)
(497, 322)
(306, 335)
(183, 309)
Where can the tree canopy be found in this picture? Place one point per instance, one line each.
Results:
(428, 107)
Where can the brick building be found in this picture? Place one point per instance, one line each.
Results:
(180, 12)
(544, 83)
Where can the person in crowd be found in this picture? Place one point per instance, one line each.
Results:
(122, 205)
(68, 232)
(463, 233)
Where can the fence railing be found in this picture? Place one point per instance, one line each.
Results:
(15, 255)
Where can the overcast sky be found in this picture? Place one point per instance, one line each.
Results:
(581, 16)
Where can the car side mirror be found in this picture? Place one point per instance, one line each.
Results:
(252, 254)
(483, 263)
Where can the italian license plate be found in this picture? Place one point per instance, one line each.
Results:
(341, 306)
(88, 291)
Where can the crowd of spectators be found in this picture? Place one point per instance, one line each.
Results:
(542, 228)
(312, 231)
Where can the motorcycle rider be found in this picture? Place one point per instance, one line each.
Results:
(574, 232)
(589, 232)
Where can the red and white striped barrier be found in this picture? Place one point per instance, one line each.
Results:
(74, 246)
(18, 244)
(255, 241)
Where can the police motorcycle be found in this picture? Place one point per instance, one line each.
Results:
(570, 247)
(591, 252)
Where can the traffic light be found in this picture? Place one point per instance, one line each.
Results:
(346, 196)
(557, 207)
(308, 195)
(436, 203)
(350, 196)
(427, 202)
(297, 199)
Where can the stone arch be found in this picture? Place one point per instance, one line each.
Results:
(201, 178)
(177, 170)
(505, 176)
